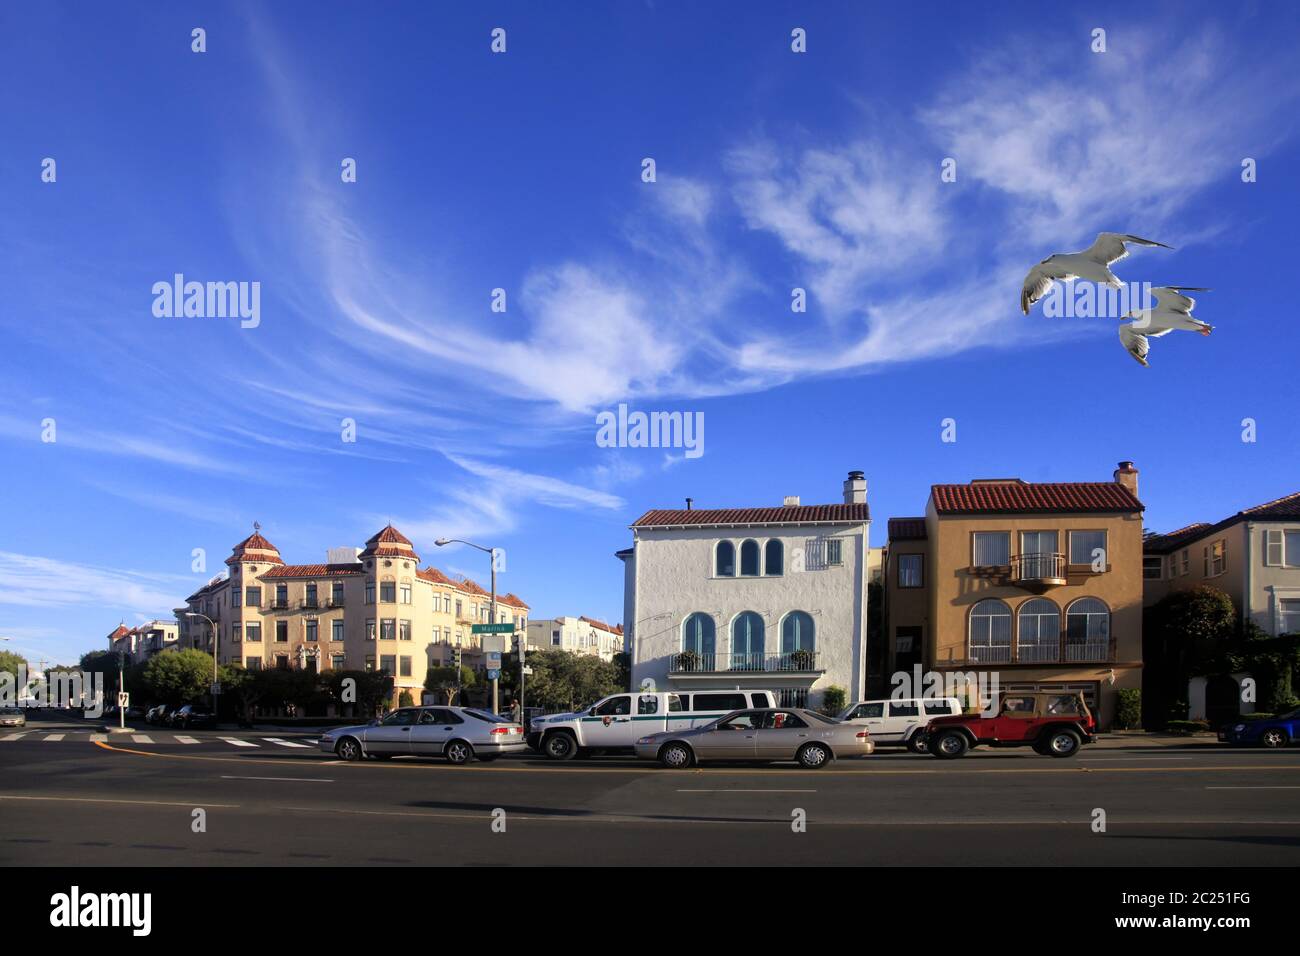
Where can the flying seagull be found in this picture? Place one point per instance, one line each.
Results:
(1172, 312)
(1093, 264)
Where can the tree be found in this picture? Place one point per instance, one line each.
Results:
(10, 662)
(178, 677)
(623, 670)
(562, 680)
(444, 680)
(404, 699)
(358, 692)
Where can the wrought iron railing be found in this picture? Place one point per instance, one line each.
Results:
(689, 662)
(1037, 567)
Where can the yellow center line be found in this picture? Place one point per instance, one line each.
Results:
(150, 803)
(710, 771)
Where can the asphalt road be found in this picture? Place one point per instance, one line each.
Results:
(74, 801)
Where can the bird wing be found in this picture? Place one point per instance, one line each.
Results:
(1037, 282)
(1109, 246)
(1171, 298)
(1134, 343)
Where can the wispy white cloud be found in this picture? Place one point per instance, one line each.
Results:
(34, 581)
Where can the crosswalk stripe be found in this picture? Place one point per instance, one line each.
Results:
(187, 740)
(235, 741)
(284, 743)
(54, 736)
(14, 736)
(94, 738)
(142, 738)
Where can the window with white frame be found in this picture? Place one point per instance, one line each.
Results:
(991, 549)
(910, 570)
(1087, 546)
(750, 558)
(990, 630)
(1288, 616)
(1087, 621)
(1039, 630)
(1153, 567)
(1282, 548)
(834, 551)
(724, 560)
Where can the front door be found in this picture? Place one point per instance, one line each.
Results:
(432, 730)
(733, 739)
(392, 735)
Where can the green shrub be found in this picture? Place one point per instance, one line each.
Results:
(1188, 726)
(1128, 714)
(834, 699)
(404, 699)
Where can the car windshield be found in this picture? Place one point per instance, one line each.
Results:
(8, 711)
(490, 718)
(823, 718)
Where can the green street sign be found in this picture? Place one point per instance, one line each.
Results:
(492, 629)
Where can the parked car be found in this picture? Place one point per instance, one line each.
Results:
(615, 723)
(457, 733)
(810, 738)
(1279, 731)
(1053, 723)
(157, 714)
(12, 717)
(900, 722)
(192, 717)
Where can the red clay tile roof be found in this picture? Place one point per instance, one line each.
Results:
(434, 575)
(388, 535)
(514, 600)
(388, 542)
(470, 587)
(1286, 508)
(119, 632)
(254, 542)
(602, 625)
(1021, 497)
(786, 514)
(907, 529)
(312, 571)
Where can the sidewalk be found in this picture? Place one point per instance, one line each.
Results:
(1141, 740)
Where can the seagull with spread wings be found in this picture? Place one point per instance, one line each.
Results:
(1092, 264)
(1172, 312)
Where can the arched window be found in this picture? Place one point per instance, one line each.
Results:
(774, 558)
(698, 636)
(990, 632)
(749, 554)
(747, 642)
(1087, 630)
(1039, 631)
(798, 633)
(725, 560)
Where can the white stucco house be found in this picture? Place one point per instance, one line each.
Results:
(765, 598)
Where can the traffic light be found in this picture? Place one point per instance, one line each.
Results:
(455, 658)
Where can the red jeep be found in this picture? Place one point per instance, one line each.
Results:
(1055, 724)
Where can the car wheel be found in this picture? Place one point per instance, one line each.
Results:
(459, 752)
(1273, 737)
(1063, 743)
(676, 756)
(349, 748)
(813, 756)
(560, 746)
(919, 744)
(949, 745)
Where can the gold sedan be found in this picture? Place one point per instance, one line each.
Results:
(785, 733)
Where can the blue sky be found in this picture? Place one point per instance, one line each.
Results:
(522, 171)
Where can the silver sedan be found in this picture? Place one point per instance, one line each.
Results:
(459, 734)
(805, 736)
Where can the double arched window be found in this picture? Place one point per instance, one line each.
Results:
(698, 635)
(747, 642)
(1039, 631)
(798, 633)
(724, 560)
(990, 631)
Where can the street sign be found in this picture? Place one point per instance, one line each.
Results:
(492, 629)
(493, 675)
(123, 699)
(493, 644)
(216, 687)
(492, 660)
(528, 672)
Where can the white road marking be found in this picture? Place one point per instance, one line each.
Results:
(55, 736)
(95, 737)
(142, 738)
(235, 741)
(285, 779)
(187, 740)
(1252, 788)
(284, 743)
(141, 803)
(14, 736)
(746, 791)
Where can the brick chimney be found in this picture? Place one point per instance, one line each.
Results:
(855, 489)
(1127, 476)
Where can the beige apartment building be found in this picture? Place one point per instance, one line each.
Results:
(138, 644)
(1040, 583)
(581, 635)
(379, 610)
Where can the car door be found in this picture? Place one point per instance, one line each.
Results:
(780, 735)
(610, 724)
(1017, 718)
(903, 717)
(433, 728)
(392, 735)
(732, 739)
(872, 716)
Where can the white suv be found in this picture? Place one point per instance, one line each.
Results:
(900, 722)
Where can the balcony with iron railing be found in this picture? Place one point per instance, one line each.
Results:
(1073, 652)
(1044, 570)
(793, 662)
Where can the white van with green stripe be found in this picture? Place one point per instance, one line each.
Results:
(616, 722)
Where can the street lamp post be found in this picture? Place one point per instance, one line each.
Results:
(492, 619)
(215, 681)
